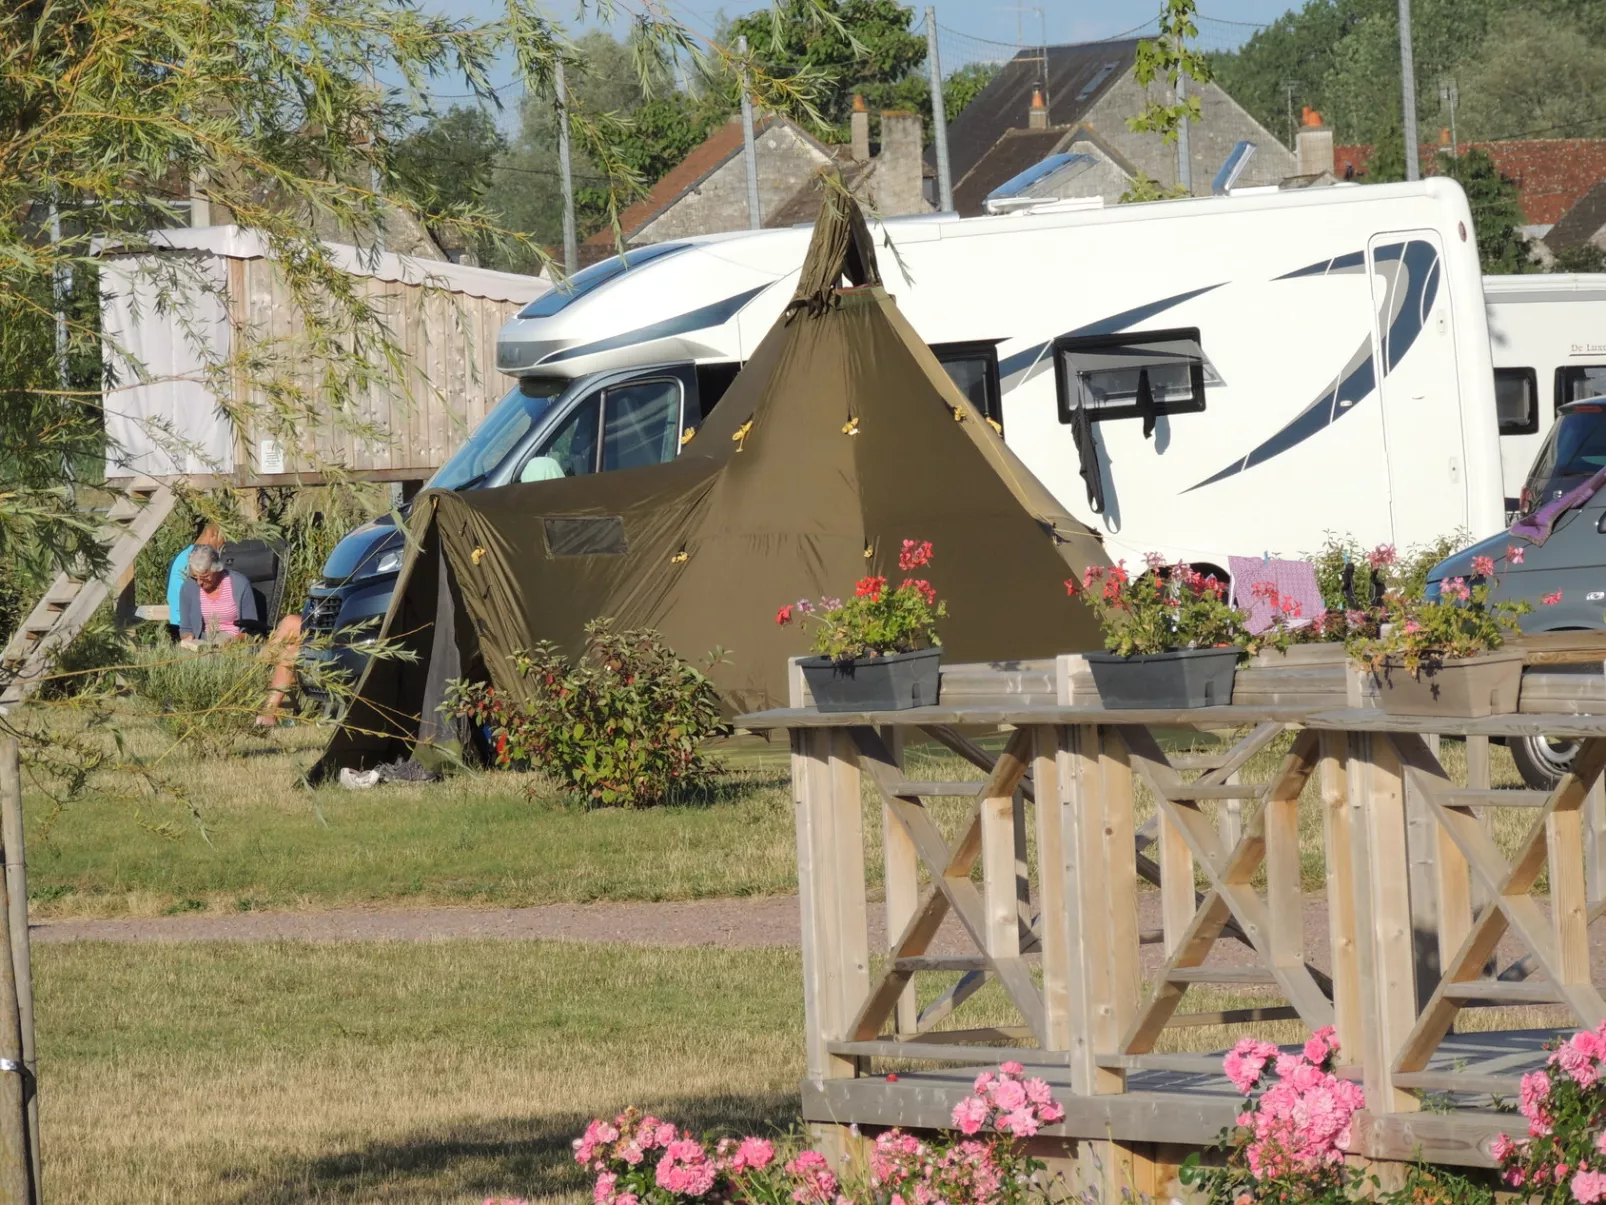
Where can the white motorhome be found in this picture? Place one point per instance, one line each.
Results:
(1203, 377)
(1547, 335)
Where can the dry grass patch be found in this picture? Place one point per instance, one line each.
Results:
(396, 1073)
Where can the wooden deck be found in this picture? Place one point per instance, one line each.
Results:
(1420, 903)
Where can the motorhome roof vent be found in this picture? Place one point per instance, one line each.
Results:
(1017, 184)
(1092, 85)
(1237, 159)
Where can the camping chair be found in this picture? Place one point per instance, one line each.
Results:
(263, 564)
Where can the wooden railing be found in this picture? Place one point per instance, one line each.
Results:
(1044, 876)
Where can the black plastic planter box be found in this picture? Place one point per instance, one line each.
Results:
(1171, 681)
(893, 683)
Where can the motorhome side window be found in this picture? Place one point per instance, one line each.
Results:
(571, 450)
(1516, 399)
(1138, 374)
(974, 368)
(1579, 382)
(640, 424)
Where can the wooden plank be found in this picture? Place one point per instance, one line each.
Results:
(1499, 797)
(1178, 899)
(1082, 802)
(941, 962)
(1215, 974)
(1422, 856)
(937, 789)
(1569, 906)
(809, 783)
(1388, 966)
(944, 1054)
(1234, 1016)
(1229, 791)
(1012, 1034)
(1478, 763)
(1459, 1081)
(1121, 887)
(1339, 869)
(1595, 841)
(1285, 904)
(1054, 885)
(1194, 1064)
(901, 883)
(1239, 756)
(1498, 992)
(998, 876)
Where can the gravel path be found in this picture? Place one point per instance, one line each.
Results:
(732, 923)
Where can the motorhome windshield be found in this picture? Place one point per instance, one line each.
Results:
(512, 418)
(587, 279)
(1573, 452)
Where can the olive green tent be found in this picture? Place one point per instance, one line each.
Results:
(839, 439)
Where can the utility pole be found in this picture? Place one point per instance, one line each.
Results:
(1184, 161)
(1289, 85)
(1449, 94)
(939, 116)
(755, 219)
(60, 289)
(1413, 158)
(571, 246)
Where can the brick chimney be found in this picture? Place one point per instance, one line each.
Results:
(859, 127)
(1037, 116)
(899, 168)
(1313, 145)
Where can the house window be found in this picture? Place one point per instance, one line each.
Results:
(1516, 397)
(974, 368)
(1132, 375)
(1577, 382)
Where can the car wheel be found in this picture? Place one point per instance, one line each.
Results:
(1542, 760)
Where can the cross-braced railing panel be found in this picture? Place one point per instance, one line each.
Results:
(1473, 865)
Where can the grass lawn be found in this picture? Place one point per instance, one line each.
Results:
(236, 833)
(396, 1073)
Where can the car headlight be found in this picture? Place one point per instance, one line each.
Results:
(391, 562)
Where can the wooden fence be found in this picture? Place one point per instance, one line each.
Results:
(1425, 915)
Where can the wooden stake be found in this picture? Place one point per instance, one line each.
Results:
(14, 1177)
(16, 878)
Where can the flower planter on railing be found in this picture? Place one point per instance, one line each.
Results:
(1181, 678)
(1457, 687)
(893, 683)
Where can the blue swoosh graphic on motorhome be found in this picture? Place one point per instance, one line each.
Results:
(1022, 360)
(1355, 261)
(1419, 261)
(704, 316)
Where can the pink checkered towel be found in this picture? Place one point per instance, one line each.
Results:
(1294, 580)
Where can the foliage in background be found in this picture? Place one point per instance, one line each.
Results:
(449, 162)
(868, 50)
(1497, 219)
(1584, 258)
(624, 727)
(210, 696)
(1169, 57)
(1524, 68)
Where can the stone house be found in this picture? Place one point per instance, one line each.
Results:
(1074, 101)
(706, 193)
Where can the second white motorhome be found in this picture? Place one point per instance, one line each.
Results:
(1203, 378)
(1547, 335)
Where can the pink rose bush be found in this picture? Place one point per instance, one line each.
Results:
(1293, 1128)
(1563, 1157)
(639, 1160)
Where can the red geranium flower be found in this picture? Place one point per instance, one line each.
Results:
(870, 587)
(914, 555)
(784, 615)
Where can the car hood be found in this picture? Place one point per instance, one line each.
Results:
(359, 553)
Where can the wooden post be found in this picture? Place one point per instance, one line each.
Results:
(1382, 884)
(14, 1178)
(1177, 904)
(1056, 883)
(900, 874)
(1422, 851)
(1595, 840)
(1341, 911)
(1082, 799)
(1121, 869)
(16, 879)
(123, 600)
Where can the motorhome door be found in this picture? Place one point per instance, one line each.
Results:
(1418, 387)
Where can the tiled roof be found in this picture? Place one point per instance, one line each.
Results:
(704, 158)
(1078, 76)
(1551, 174)
(1015, 151)
(1581, 223)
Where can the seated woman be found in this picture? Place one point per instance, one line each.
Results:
(217, 604)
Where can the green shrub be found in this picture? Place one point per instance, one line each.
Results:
(624, 727)
(211, 695)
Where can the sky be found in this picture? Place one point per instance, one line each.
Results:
(971, 29)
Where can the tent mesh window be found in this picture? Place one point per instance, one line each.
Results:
(586, 536)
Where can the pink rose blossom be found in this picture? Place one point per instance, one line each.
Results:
(602, 1193)
(1588, 1187)
(755, 1153)
(1516, 552)
(1502, 1148)
(1011, 1068)
(970, 1114)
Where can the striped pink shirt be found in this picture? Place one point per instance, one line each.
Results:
(220, 615)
